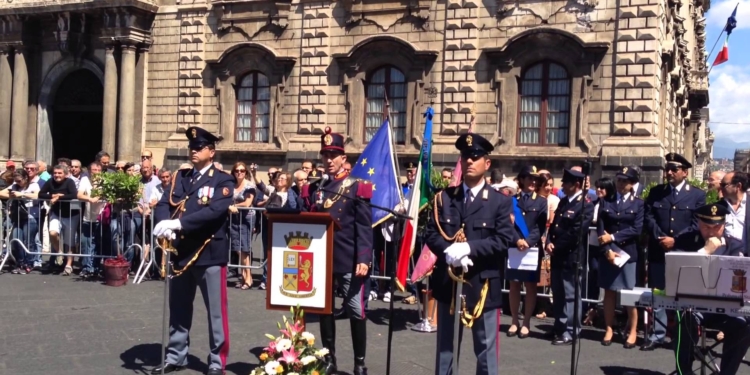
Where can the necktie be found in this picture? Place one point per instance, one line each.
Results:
(469, 196)
(674, 192)
(196, 175)
(525, 197)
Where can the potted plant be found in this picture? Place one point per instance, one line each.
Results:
(122, 191)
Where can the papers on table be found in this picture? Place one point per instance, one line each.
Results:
(623, 258)
(527, 260)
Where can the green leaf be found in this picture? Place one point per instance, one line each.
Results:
(119, 189)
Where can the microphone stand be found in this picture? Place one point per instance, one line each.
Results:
(398, 234)
(577, 269)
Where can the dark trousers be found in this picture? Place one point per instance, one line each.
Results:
(735, 345)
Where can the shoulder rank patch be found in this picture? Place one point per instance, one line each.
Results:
(348, 182)
(225, 191)
(211, 172)
(364, 191)
(485, 194)
(579, 198)
(687, 187)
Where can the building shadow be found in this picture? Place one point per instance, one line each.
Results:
(402, 318)
(619, 370)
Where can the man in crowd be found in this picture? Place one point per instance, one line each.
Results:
(300, 180)
(668, 213)
(446, 174)
(712, 238)
(75, 171)
(142, 214)
(475, 256)
(342, 197)
(103, 158)
(574, 212)
(714, 181)
(202, 223)
(307, 166)
(42, 168)
(92, 241)
(734, 189)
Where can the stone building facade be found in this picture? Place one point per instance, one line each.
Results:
(552, 83)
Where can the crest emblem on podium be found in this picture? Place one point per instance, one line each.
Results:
(298, 266)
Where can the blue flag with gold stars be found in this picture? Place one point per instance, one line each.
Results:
(377, 164)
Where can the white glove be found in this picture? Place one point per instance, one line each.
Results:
(456, 251)
(168, 234)
(465, 262)
(167, 225)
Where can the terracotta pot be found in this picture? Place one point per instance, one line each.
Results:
(116, 274)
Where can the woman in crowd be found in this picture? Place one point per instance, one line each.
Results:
(24, 218)
(283, 197)
(605, 191)
(545, 187)
(529, 230)
(241, 227)
(619, 225)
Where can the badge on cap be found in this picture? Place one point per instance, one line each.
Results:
(469, 141)
(625, 170)
(670, 157)
(225, 191)
(714, 209)
(533, 169)
(328, 140)
(194, 134)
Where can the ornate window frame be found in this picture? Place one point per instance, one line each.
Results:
(229, 68)
(386, 84)
(367, 56)
(580, 59)
(256, 74)
(544, 96)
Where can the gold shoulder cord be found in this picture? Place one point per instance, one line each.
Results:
(466, 318)
(166, 244)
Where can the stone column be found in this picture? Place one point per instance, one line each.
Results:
(6, 95)
(109, 121)
(20, 105)
(125, 132)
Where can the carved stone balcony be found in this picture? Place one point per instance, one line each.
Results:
(698, 89)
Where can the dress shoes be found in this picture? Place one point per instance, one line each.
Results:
(560, 341)
(215, 371)
(330, 367)
(628, 345)
(168, 368)
(606, 342)
(650, 345)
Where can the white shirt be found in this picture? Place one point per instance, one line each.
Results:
(33, 187)
(621, 198)
(635, 187)
(156, 193)
(579, 192)
(474, 191)
(202, 171)
(679, 187)
(92, 210)
(735, 224)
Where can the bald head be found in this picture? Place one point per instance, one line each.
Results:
(714, 180)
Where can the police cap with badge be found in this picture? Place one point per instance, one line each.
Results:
(571, 176)
(712, 214)
(527, 171)
(410, 166)
(677, 160)
(629, 173)
(473, 146)
(198, 138)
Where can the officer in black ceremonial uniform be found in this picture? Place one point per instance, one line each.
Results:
(711, 238)
(411, 176)
(194, 215)
(345, 199)
(565, 248)
(470, 232)
(669, 211)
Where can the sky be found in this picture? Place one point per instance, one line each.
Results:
(729, 93)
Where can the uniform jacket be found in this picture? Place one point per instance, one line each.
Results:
(565, 230)
(691, 240)
(667, 216)
(534, 210)
(203, 217)
(405, 189)
(352, 242)
(489, 233)
(746, 231)
(624, 221)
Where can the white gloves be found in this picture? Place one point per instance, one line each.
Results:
(166, 228)
(464, 263)
(456, 252)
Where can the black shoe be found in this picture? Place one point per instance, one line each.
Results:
(606, 342)
(215, 371)
(562, 341)
(628, 345)
(522, 335)
(510, 333)
(359, 344)
(359, 367)
(168, 368)
(650, 345)
(330, 368)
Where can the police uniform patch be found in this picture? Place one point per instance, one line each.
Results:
(469, 141)
(225, 191)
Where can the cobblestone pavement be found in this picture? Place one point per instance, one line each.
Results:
(63, 325)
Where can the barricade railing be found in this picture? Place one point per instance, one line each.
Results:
(31, 219)
(584, 278)
(245, 226)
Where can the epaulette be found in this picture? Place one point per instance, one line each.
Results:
(364, 189)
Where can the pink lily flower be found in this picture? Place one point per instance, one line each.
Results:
(289, 356)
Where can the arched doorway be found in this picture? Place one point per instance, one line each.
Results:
(77, 117)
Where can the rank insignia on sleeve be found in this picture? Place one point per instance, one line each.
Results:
(225, 191)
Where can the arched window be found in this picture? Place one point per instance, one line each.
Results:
(253, 108)
(544, 105)
(381, 81)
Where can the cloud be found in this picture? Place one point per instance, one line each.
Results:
(721, 10)
(730, 94)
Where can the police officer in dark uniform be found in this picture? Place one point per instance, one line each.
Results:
(411, 176)
(669, 211)
(194, 215)
(344, 198)
(710, 237)
(533, 210)
(471, 232)
(566, 249)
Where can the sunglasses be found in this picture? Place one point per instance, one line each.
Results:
(240, 170)
(145, 156)
(30, 169)
(672, 168)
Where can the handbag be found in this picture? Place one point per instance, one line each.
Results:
(424, 266)
(544, 273)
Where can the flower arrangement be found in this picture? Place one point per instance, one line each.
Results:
(293, 352)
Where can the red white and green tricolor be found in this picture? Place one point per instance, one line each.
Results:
(723, 55)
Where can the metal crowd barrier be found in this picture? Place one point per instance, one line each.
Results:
(34, 242)
(244, 223)
(584, 279)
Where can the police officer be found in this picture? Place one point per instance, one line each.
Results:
(565, 247)
(344, 198)
(194, 214)
(411, 176)
(471, 232)
(669, 211)
(533, 209)
(711, 237)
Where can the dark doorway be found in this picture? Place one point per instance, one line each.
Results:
(77, 117)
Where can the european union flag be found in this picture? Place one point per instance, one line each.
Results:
(377, 165)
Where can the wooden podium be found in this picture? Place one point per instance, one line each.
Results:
(300, 261)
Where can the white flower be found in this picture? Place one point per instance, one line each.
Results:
(322, 352)
(271, 367)
(283, 344)
(308, 359)
(307, 336)
(292, 373)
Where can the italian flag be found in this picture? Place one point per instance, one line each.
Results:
(723, 55)
(418, 198)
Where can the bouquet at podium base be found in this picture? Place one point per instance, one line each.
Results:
(293, 352)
